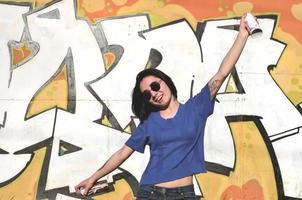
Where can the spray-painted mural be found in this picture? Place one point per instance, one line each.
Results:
(67, 69)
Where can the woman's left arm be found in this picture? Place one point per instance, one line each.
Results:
(230, 59)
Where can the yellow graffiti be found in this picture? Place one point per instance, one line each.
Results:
(119, 2)
(18, 1)
(128, 129)
(253, 168)
(94, 5)
(231, 86)
(241, 8)
(289, 67)
(106, 122)
(296, 11)
(35, 4)
(54, 94)
(26, 185)
(41, 3)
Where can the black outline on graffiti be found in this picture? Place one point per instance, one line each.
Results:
(71, 148)
(299, 107)
(27, 4)
(2, 125)
(3, 152)
(239, 86)
(285, 134)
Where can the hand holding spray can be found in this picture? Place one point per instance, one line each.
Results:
(98, 187)
(253, 26)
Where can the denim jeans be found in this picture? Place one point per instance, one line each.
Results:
(151, 192)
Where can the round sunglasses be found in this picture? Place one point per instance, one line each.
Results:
(155, 86)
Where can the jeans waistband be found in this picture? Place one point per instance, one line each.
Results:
(182, 189)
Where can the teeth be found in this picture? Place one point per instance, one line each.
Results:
(159, 98)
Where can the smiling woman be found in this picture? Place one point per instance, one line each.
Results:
(173, 131)
(153, 90)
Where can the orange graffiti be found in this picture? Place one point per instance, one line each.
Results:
(106, 8)
(20, 54)
(109, 59)
(61, 76)
(290, 21)
(203, 9)
(251, 190)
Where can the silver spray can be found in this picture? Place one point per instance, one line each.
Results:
(253, 26)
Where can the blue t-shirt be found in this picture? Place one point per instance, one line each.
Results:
(176, 144)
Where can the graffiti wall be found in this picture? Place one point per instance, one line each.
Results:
(67, 69)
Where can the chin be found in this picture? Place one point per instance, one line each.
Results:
(162, 106)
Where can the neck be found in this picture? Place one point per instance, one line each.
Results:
(171, 110)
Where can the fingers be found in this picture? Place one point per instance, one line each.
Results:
(83, 191)
(243, 16)
(83, 187)
(80, 189)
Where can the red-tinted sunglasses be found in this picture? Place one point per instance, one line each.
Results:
(155, 86)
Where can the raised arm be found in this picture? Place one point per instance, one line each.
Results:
(112, 163)
(230, 59)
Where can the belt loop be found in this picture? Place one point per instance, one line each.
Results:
(182, 191)
(152, 189)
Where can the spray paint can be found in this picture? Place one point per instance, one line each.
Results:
(253, 26)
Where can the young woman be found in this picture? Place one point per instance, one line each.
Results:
(173, 131)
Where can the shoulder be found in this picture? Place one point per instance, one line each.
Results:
(202, 102)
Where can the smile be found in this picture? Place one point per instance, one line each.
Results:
(159, 98)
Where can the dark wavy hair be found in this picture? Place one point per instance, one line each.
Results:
(140, 106)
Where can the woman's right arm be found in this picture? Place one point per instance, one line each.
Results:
(112, 163)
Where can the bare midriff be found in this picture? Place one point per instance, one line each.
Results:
(188, 180)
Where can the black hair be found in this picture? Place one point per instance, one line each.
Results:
(140, 106)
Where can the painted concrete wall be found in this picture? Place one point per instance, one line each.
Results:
(67, 69)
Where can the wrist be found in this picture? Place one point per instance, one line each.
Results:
(243, 34)
(93, 178)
